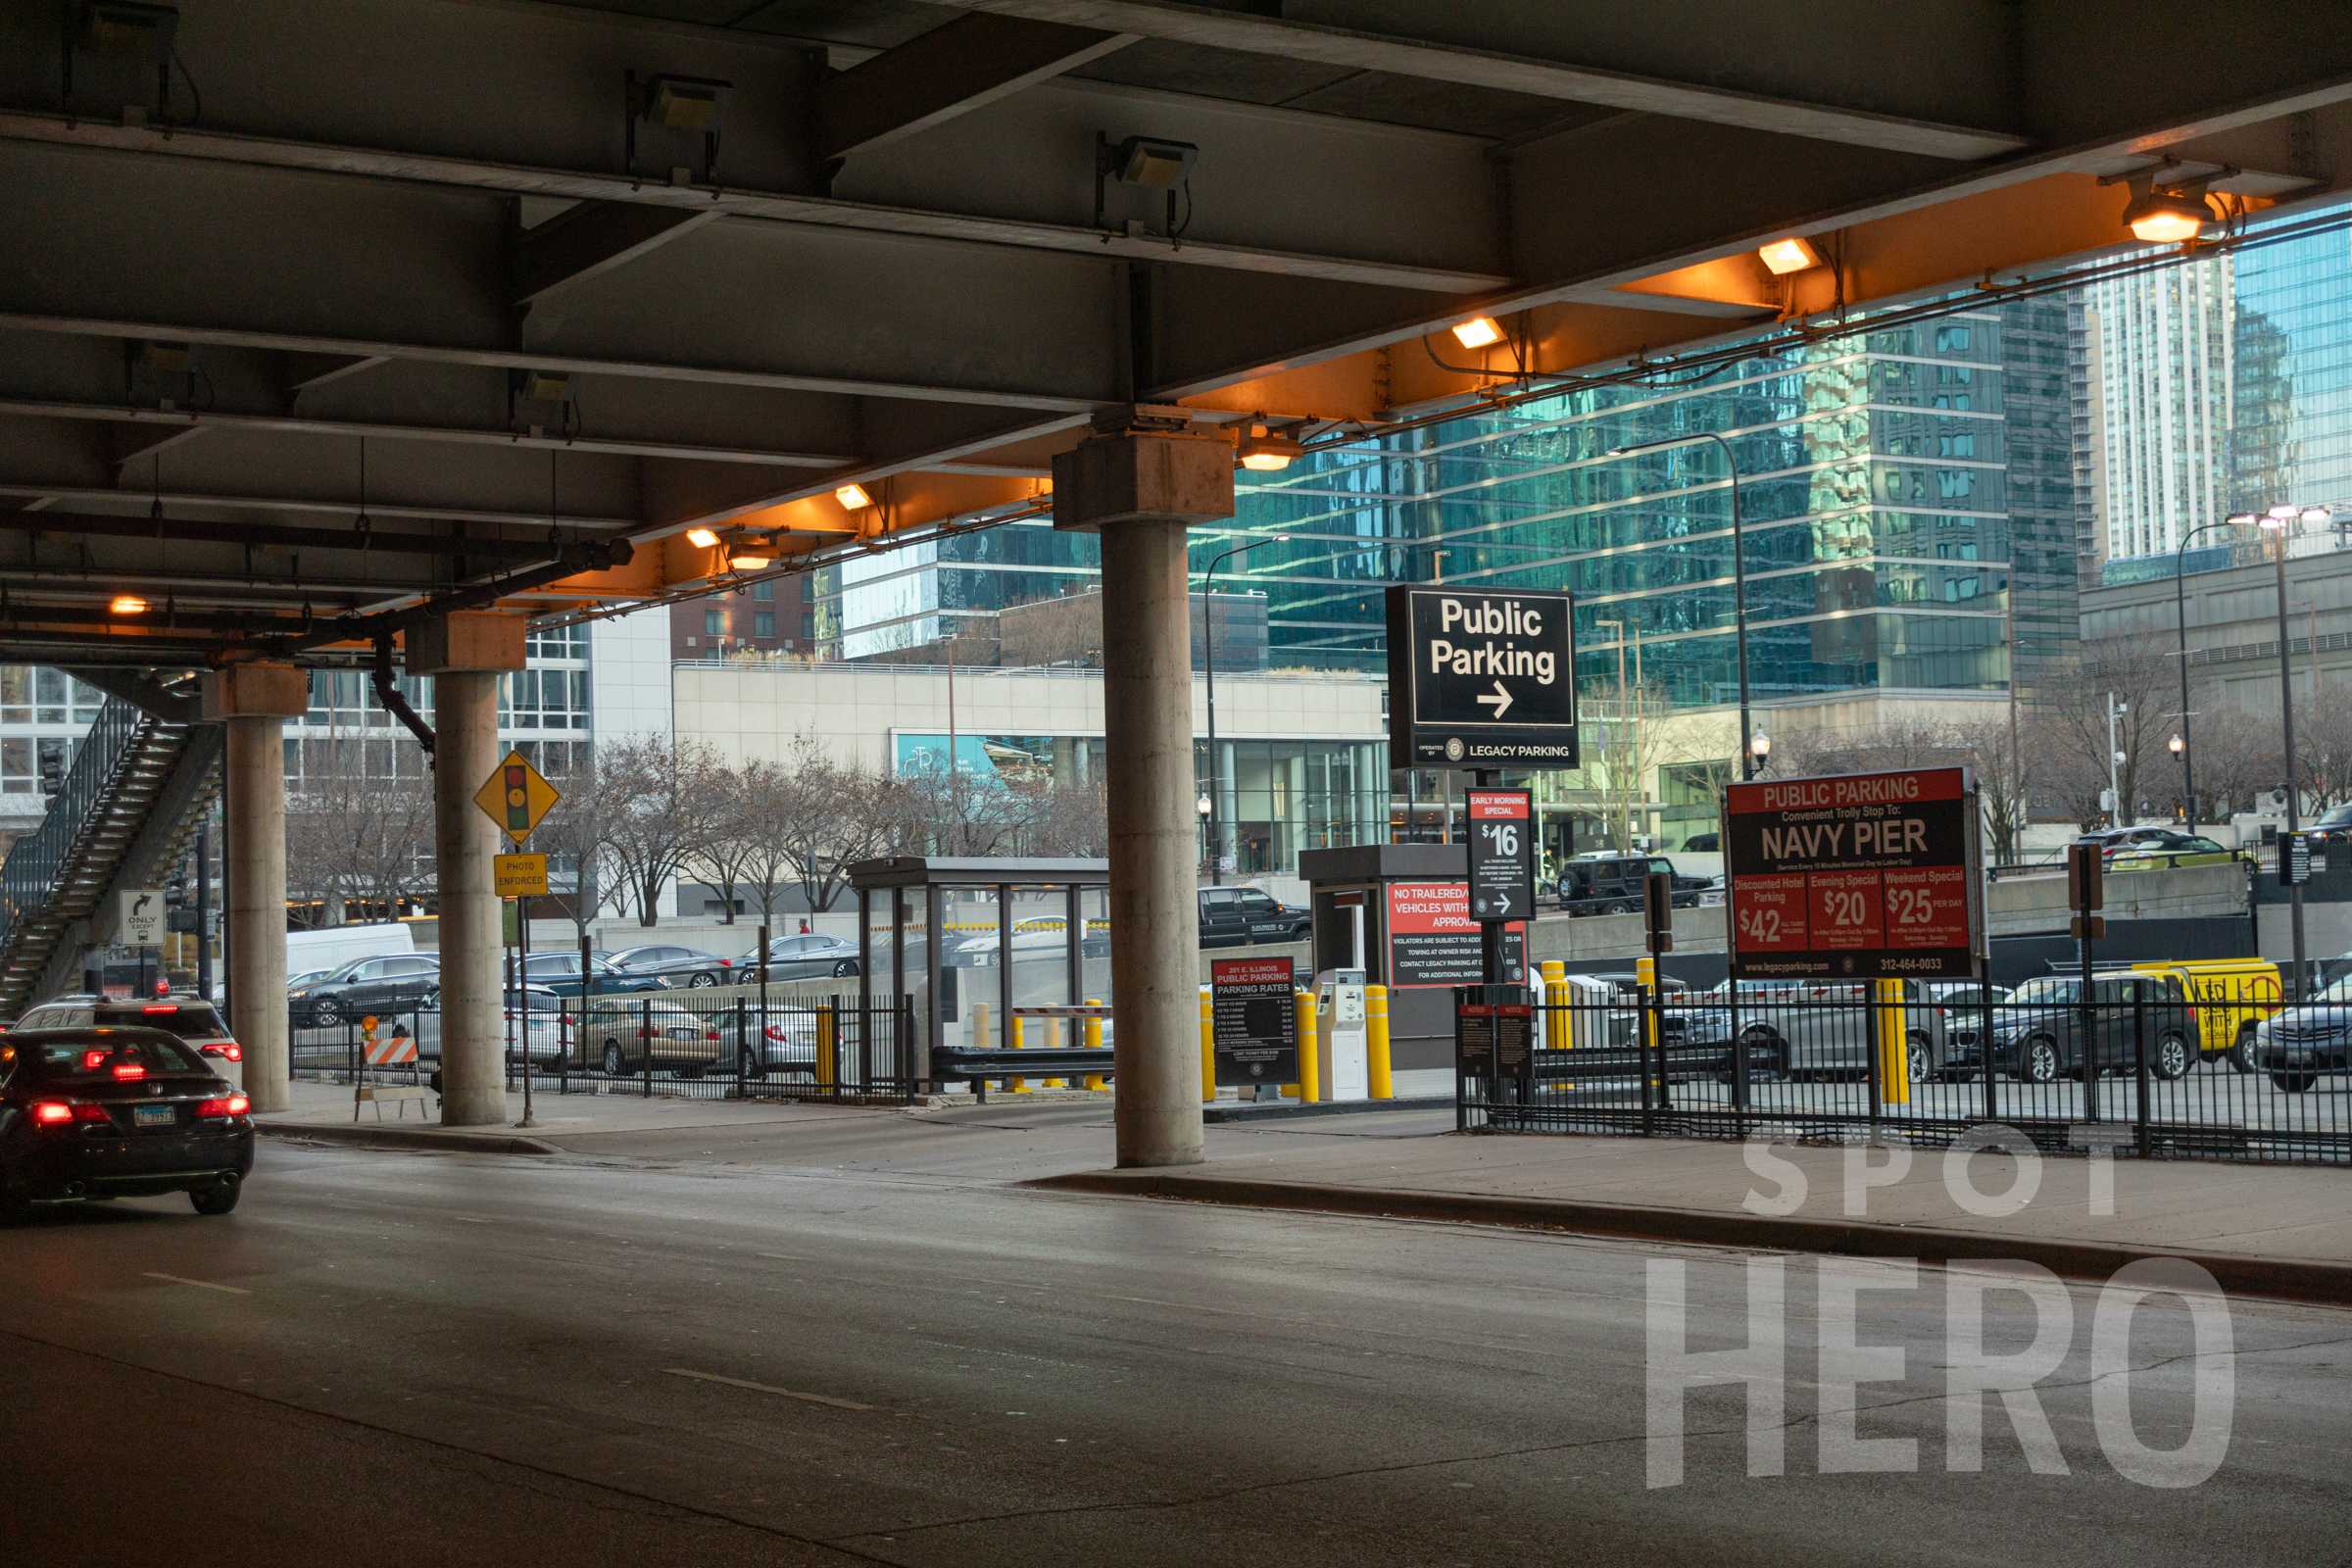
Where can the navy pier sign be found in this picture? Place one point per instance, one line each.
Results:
(1480, 680)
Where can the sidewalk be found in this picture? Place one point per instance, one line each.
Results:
(322, 1112)
(2284, 1230)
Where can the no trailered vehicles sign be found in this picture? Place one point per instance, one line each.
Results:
(1481, 680)
(1855, 875)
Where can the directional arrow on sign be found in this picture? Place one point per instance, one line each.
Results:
(1500, 700)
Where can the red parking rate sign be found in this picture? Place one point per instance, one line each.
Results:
(1855, 874)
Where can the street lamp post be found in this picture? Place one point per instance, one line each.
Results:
(2280, 520)
(2188, 774)
(1747, 757)
(1209, 637)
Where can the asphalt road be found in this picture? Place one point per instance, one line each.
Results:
(865, 1348)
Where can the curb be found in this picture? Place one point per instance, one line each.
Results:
(363, 1136)
(2238, 1274)
(1248, 1111)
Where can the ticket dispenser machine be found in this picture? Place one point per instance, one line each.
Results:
(1342, 1041)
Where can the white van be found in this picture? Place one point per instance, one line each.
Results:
(337, 946)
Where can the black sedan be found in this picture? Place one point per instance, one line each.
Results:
(559, 972)
(116, 1113)
(680, 967)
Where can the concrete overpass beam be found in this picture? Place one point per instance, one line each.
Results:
(252, 703)
(465, 652)
(1140, 490)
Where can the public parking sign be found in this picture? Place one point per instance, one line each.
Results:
(1502, 855)
(1480, 680)
(1855, 874)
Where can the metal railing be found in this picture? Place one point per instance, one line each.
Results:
(2134, 1067)
(667, 1043)
(36, 863)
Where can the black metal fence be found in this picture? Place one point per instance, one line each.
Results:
(669, 1043)
(2131, 1064)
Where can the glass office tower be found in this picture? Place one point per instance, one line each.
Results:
(2292, 437)
(1894, 484)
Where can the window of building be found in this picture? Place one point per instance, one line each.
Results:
(764, 623)
(715, 623)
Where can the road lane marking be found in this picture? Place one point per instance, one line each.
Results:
(767, 1388)
(201, 1285)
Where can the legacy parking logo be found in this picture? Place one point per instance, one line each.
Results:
(2011, 1332)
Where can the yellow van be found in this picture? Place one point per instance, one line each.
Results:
(2228, 997)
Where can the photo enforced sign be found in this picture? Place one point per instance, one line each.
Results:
(1855, 874)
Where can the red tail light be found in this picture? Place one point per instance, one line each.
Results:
(775, 1033)
(51, 1113)
(709, 1034)
(154, 1007)
(129, 1072)
(223, 1105)
(92, 1060)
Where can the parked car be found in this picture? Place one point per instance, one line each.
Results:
(559, 972)
(1617, 884)
(1040, 936)
(190, 1019)
(618, 1033)
(542, 1028)
(332, 947)
(363, 986)
(1809, 1029)
(116, 1113)
(2163, 848)
(2296, 1044)
(803, 957)
(676, 966)
(2040, 1035)
(1235, 916)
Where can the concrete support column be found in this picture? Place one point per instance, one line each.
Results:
(1140, 490)
(253, 702)
(465, 654)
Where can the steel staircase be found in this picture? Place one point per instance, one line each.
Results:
(106, 828)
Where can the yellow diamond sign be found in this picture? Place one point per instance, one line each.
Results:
(515, 797)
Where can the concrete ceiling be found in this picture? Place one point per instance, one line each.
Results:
(391, 228)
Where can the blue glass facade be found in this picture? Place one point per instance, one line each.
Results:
(2291, 434)
(1893, 484)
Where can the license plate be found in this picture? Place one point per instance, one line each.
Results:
(685, 1034)
(153, 1115)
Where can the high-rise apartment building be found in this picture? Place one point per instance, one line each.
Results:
(2167, 387)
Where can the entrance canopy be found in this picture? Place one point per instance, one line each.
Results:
(313, 312)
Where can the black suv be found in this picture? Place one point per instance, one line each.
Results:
(1232, 916)
(1613, 884)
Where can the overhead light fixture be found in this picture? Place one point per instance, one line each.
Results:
(2318, 514)
(127, 604)
(1791, 255)
(852, 498)
(1153, 161)
(1262, 452)
(747, 559)
(702, 538)
(2166, 216)
(1478, 332)
(684, 103)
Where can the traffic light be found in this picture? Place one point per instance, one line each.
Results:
(518, 800)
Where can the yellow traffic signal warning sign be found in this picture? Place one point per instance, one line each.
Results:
(515, 797)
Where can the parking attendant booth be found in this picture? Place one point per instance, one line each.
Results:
(972, 942)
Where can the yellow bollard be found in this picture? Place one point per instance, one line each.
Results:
(1894, 1044)
(1092, 1036)
(1554, 1020)
(1310, 1070)
(1209, 1051)
(828, 1054)
(1053, 1042)
(1376, 1042)
(1645, 974)
(1015, 1042)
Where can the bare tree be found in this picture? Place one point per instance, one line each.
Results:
(766, 810)
(353, 839)
(577, 829)
(662, 797)
(2139, 676)
(825, 816)
(2323, 751)
(2235, 758)
(724, 854)
(1623, 772)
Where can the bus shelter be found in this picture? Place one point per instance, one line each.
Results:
(973, 941)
